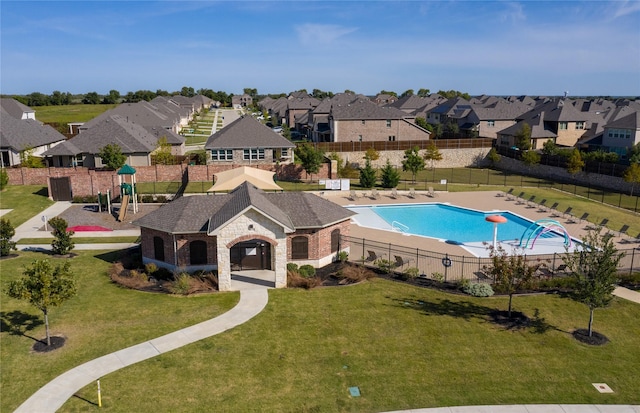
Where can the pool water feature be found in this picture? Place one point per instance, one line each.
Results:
(450, 223)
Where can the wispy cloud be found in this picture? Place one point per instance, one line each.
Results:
(513, 13)
(625, 8)
(321, 34)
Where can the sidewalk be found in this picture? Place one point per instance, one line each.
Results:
(55, 393)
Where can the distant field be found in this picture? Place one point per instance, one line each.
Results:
(70, 113)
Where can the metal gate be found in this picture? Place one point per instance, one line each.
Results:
(60, 188)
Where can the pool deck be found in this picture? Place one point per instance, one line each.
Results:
(481, 200)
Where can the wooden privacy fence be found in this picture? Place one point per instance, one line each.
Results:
(451, 267)
(358, 146)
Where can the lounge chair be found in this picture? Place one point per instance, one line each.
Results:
(431, 193)
(562, 268)
(552, 207)
(542, 205)
(575, 220)
(511, 198)
(374, 194)
(623, 231)
(412, 193)
(503, 194)
(400, 262)
(394, 193)
(602, 224)
(372, 256)
(530, 202)
(521, 200)
(353, 195)
(568, 212)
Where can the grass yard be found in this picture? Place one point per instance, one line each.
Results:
(404, 347)
(26, 201)
(101, 319)
(70, 113)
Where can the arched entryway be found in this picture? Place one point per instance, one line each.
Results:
(254, 254)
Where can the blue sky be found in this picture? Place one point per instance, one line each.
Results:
(479, 47)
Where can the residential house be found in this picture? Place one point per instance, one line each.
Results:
(145, 114)
(246, 229)
(384, 99)
(136, 142)
(623, 132)
(16, 109)
(246, 141)
(241, 101)
(484, 120)
(20, 135)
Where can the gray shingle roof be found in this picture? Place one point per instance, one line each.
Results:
(21, 134)
(246, 132)
(14, 108)
(207, 213)
(365, 109)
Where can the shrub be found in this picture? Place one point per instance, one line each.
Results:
(4, 178)
(161, 199)
(150, 268)
(412, 272)
(384, 265)
(630, 280)
(307, 271)
(557, 283)
(181, 284)
(437, 276)
(478, 289)
(146, 199)
(295, 280)
(343, 256)
(6, 233)
(62, 243)
(292, 266)
(354, 273)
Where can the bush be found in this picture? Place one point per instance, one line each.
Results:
(62, 243)
(384, 265)
(4, 178)
(630, 280)
(146, 199)
(181, 284)
(150, 268)
(292, 266)
(295, 280)
(478, 289)
(307, 271)
(161, 199)
(6, 233)
(412, 272)
(564, 283)
(343, 256)
(354, 273)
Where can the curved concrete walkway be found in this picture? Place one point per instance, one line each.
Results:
(55, 393)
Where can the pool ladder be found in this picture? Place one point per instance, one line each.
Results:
(399, 226)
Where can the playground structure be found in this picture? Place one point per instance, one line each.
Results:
(127, 191)
(542, 226)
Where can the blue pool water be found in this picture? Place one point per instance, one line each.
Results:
(447, 222)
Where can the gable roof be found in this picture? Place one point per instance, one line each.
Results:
(209, 213)
(630, 121)
(247, 132)
(21, 134)
(14, 108)
(365, 109)
(228, 180)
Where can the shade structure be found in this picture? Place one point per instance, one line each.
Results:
(126, 170)
(231, 179)
(495, 219)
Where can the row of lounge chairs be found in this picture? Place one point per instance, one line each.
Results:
(567, 214)
(374, 194)
(399, 261)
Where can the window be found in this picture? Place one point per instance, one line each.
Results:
(284, 152)
(221, 155)
(360, 138)
(299, 248)
(388, 123)
(198, 252)
(392, 138)
(158, 248)
(253, 154)
(491, 123)
(579, 125)
(620, 133)
(363, 121)
(335, 240)
(562, 125)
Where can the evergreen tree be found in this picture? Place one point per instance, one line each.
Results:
(62, 243)
(523, 137)
(6, 233)
(368, 175)
(390, 176)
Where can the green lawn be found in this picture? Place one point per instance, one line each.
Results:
(70, 113)
(404, 347)
(26, 201)
(101, 319)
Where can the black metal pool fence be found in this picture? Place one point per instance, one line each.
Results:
(451, 267)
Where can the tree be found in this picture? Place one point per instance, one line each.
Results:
(368, 175)
(594, 269)
(452, 128)
(549, 147)
(388, 92)
(44, 287)
(423, 93)
(91, 98)
(187, 91)
(432, 154)
(389, 175)
(6, 233)
(523, 137)
(575, 162)
(112, 156)
(510, 271)
(29, 160)
(530, 158)
(632, 174)
(253, 92)
(413, 162)
(372, 154)
(493, 156)
(422, 122)
(437, 129)
(162, 154)
(59, 98)
(4, 178)
(310, 158)
(62, 242)
(112, 97)
(634, 153)
(408, 92)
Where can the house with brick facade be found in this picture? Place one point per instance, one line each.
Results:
(246, 229)
(246, 141)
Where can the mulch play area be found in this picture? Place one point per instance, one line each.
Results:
(86, 217)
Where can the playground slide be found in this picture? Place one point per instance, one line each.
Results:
(123, 208)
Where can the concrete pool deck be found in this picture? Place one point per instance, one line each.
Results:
(481, 200)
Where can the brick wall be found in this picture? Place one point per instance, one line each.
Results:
(377, 130)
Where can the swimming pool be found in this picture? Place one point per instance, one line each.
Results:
(443, 221)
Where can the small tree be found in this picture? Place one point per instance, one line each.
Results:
(575, 162)
(632, 175)
(523, 137)
(372, 154)
(44, 287)
(163, 155)
(510, 271)
(594, 269)
(4, 178)
(432, 154)
(493, 156)
(310, 158)
(413, 162)
(390, 176)
(29, 160)
(368, 175)
(530, 158)
(112, 156)
(62, 242)
(6, 233)
(549, 147)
